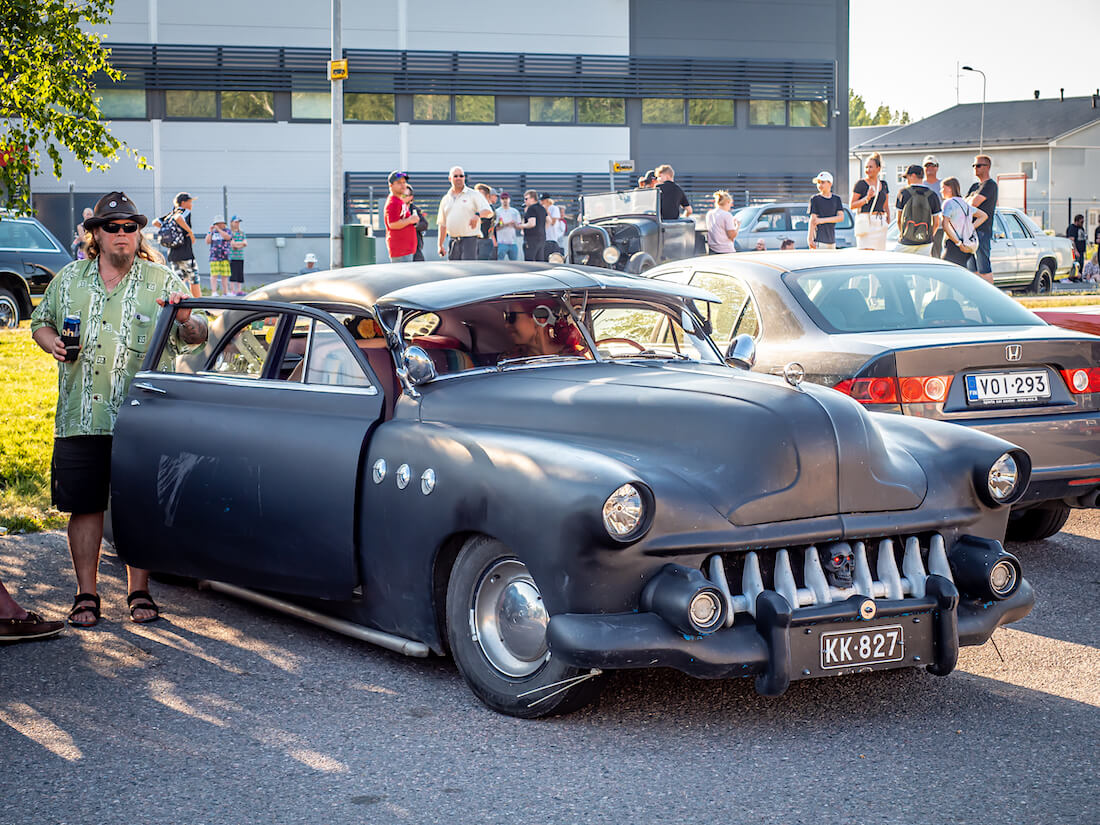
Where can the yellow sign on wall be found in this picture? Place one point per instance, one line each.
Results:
(337, 70)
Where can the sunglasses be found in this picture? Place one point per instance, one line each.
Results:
(114, 228)
(458, 176)
(541, 315)
(976, 165)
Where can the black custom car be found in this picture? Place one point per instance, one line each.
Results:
(624, 231)
(924, 338)
(29, 258)
(380, 450)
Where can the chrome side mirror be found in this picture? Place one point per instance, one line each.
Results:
(418, 365)
(741, 352)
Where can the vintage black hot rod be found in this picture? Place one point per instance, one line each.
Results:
(551, 473)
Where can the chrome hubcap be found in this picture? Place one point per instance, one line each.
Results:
(8, 313)
(509, 619)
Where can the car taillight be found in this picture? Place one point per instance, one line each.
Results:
(1084, 379)
(914, 389)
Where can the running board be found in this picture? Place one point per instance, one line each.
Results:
(397, 644)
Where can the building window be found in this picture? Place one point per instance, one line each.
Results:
(766, 105)
(311, 105)
(1030, 169)
(710, 112)
(601, 110)
(552, 110)
(248, 105)
(431, 107)
(377, 108)
(191, 103)
(475, 108)
(662, 110)
(813, 113)
(121, 103)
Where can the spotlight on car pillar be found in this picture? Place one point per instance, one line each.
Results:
(611, 255)
(555, 258)
(983, 568)
(684, 598)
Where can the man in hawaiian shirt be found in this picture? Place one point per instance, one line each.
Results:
(117, 294)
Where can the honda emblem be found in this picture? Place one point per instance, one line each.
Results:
(1013, 352)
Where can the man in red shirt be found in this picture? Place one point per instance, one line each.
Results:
(400, 220)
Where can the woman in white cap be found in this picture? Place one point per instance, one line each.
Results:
(310, 264)
(871, 197)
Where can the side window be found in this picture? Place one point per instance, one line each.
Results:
(847, 222)
(1015, 230)
(771, 220)
(245, 353)
(330, 362)
(999, 231)
(736, 313)
(800, 221)
(20, 235)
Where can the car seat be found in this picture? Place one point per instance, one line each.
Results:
(944, 309)
(844, 308)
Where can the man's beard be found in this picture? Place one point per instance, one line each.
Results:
(122, 261)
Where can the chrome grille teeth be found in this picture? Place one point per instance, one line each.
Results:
(814, 576)
(887, 583)
(888, 570)
(752, 583)
(785, 584)
(864, 583)
(913, 568)
(937, 558)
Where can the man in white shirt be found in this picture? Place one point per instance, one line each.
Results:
(508, 219)
(459, 211)
(555, 221)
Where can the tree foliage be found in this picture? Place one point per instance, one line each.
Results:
(50, 62)
(859, 116)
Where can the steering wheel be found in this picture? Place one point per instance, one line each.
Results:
(626, 341)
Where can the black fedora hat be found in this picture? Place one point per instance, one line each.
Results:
(114, 206)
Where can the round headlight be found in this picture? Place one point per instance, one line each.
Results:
(623, 511)
(1004, 475)
(611, 255)
(705, 610)
(1004, 578)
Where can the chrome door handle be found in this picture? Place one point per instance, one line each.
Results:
(150, 388)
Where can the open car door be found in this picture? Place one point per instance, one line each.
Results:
(238, 460)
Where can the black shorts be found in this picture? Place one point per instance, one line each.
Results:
(80, 474)
(236, 271)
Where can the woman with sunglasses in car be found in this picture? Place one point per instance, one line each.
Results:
(537, 329)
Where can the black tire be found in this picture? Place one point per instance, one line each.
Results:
(1044, 280)
(1037, 522)
(485, 572)
(9, 310)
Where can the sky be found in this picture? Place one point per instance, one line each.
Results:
(1021, 45)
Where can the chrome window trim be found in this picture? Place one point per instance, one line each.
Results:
(269, 383)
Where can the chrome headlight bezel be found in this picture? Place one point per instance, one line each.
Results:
(630, 506)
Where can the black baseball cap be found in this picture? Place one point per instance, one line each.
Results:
(395, 176)
(915, 170)
(545, 196)
(648, 176)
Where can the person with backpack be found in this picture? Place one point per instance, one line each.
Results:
(960, 225)
(174, 233)
(918, 214)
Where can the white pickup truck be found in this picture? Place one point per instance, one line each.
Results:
(1024, 257)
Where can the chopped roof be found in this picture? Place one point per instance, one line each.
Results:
(440, 284)
(1007, 123)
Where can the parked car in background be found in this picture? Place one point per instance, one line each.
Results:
(774, 223)
(624, 231)
(552, 473)
(927, 339)
(1023, 256)
(29, 258)
(1082, 319)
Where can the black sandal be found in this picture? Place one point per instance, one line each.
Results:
(78, 608)
(141, 600)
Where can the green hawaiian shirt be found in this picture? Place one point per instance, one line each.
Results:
(116, 329)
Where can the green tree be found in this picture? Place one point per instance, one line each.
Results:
(50, 62)
(857, 110)
(859, 116)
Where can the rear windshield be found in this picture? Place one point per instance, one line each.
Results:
(902, 296)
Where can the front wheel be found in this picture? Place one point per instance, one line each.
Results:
(1044, 280)
(9, 310)
(1037, 523)
(496, 628)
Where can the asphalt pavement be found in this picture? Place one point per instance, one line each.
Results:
(227, 713)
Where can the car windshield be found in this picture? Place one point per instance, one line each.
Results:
(879, 297)
(556, 328)
(632, 202)
(745, 216)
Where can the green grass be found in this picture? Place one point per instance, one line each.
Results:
(28, 395)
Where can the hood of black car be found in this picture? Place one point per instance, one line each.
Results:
(754, 447)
